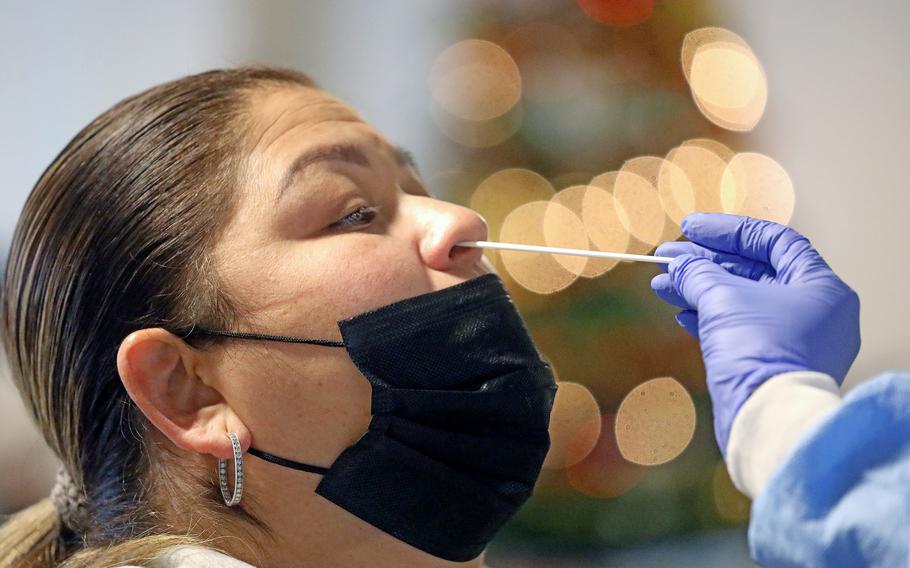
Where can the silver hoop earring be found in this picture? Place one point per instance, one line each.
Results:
(231, 500)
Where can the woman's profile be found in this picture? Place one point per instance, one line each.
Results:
(245, 328)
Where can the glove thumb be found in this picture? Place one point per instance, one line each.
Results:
(694, 275)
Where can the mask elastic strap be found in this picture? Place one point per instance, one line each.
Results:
(277, 460)
(261, 337)
(287, 463)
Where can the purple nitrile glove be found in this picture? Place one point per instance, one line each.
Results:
(761, 301)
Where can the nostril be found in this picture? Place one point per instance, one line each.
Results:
(458, 252)
(464, 256)
(449, 225)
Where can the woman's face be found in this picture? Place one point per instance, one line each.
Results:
(331, 221)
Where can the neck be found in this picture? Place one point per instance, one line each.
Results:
(309, 530)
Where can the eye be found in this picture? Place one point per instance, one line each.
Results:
(358, 217)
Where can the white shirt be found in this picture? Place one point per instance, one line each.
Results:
(194, 557)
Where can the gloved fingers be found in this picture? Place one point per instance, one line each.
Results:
(732, 263)
(663, 287)
(785, 250)
(693, 276)
(688, 320)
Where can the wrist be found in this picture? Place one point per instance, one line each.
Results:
(771, 423)
(730, 391)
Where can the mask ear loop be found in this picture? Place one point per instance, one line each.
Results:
(284, 462)
(231, 500)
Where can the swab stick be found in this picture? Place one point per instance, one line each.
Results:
(568, 251)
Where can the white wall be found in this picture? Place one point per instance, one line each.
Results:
(62, 63)
(838, 119)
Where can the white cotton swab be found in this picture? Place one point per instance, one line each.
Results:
(568, 251)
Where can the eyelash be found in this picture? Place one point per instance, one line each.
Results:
(369, 212)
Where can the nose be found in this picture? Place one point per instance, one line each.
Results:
(444, 225)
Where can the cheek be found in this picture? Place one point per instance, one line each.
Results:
(306, 288)
(366, 274)
(302, 402)
(307, 402)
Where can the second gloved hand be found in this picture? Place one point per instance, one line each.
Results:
(761, 301)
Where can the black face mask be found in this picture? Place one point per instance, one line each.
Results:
(461, 404)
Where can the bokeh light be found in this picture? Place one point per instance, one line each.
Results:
(757, 186)
(604, 218)
(722, 150)
(723, 75)
(645, 216)
(475, 80)
(501, 192)
(727, 81)
(549, 224)
(701, 37)
(704, 168)
(603, 473)
(675, 191)
(563, 228)
(607, 183)
(574, 426)
(573, 199)
(618, 13)
(738, 118)
(655, 422)
(649, 168)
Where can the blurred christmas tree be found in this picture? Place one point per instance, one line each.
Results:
(567, 91)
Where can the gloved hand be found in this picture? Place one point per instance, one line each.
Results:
(761, 301)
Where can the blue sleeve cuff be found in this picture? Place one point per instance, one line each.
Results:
(842, 497)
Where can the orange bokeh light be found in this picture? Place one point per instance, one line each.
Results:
(618, 13)
(549, 224)
(574, 426)
(727, 81)
(475, 80)
(655, 422)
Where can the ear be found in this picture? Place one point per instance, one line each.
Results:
(158, 370)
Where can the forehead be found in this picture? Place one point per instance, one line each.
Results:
(287, 118)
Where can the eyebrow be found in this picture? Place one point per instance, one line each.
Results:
(342, 152)
(405, 158)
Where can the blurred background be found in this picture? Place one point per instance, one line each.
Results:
(588, 123)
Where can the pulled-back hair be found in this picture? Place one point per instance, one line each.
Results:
(115, 237)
